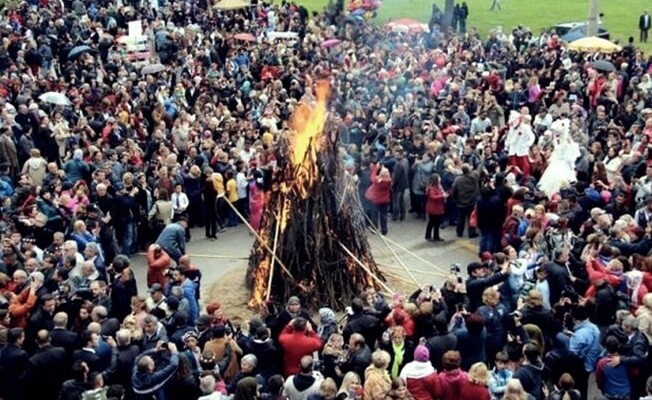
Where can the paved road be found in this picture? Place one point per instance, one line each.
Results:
(406, 238)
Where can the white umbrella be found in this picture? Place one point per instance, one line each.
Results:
(57, 98)
(152, 69)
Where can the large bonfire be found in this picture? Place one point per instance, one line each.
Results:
(311, 221)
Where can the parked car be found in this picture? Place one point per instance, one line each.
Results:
(571, 31)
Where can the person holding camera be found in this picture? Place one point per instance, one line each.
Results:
(148, 378)
(297, 340)
(356, 359)
(480, 278)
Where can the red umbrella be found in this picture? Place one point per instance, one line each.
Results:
(245, 37)
(407, 25)
(330, 43)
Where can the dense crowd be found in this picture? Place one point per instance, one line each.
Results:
(538, 151)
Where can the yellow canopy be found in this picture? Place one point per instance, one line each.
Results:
(232, 4)
(594, 44)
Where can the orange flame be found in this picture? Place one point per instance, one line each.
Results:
(308, 124)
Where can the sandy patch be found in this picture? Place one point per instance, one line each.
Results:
(231, 292)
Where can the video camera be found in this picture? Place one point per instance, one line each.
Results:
(456, 269)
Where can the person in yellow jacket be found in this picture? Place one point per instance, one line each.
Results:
(222, 209)
(232, 196)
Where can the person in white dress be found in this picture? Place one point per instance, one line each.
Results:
(518, 141)
(561, 166)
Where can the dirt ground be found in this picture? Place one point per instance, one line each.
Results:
(231, 293)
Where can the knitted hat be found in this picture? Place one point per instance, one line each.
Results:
(421, 353)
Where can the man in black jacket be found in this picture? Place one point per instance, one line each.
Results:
(60, 336)
(359, 356)
(266, 351)
(360, 322)
(127, 354)
(559, 278)
(441, 342)
(87, 353)
(41, 319)
(123, 287)
(48, 368)
(14, 362)
(480, 278)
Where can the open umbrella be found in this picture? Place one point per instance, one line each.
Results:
(245, 37)
(232, 4)
(328, 43)
(406, 25)
(282, 35)
(603, 65)
(57, 98)
(594, 44)
(152, 69)
(78, 51)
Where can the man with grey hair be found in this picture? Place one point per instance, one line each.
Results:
(87, 274)
(304, 384)
(20, 280)
(70, 249)
(100, 315)
(633, 351)
(127, 354)
(60, 336)
(32, 265)
(248, 368)
(154, 332)
(207, 387)
(92, 254)
(184, 305)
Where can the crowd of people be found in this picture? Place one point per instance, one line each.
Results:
(541, 152)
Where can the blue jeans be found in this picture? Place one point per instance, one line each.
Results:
(126, 236)
(489, 240)
(398, 204)
(379, 213)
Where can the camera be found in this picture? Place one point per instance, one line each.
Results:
(455, 269)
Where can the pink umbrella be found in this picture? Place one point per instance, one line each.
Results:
(328, 43)
(406, 25)
(245, 37)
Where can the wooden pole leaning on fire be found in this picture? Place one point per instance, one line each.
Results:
(279, 217)
(260, 239)
(364, 267)
(415, 255)
(382, 237)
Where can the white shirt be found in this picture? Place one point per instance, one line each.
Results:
(180, 202)
(247, 155)
(243, 185)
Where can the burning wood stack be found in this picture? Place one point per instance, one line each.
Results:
(312, 222)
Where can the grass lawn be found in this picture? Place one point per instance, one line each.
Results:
(620, 16)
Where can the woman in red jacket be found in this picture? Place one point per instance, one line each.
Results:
(475, 388)
(436, 198)
(421, 377)
(379, 195)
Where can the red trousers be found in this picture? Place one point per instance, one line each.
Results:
(522, 163)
